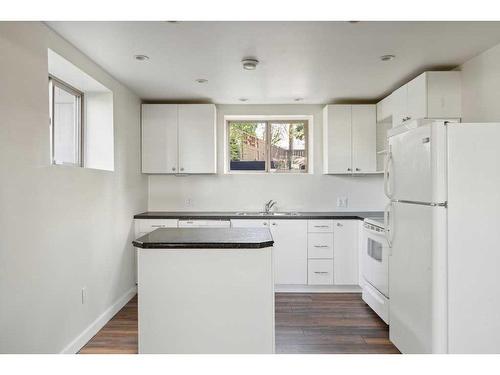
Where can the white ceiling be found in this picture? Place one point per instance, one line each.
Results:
(322, 62)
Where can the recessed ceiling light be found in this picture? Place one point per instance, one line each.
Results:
(141, 57)
(202, 80)
(298, 99)
(250, 64)
(387, 57)
(243, 99)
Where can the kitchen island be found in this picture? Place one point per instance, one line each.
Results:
(206, 290)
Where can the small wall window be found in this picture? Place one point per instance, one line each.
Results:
(268, 146)
(81, 117)
(66, 123)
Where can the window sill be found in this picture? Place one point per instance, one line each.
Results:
(253, 173)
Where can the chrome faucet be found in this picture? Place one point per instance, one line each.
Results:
(269, 205)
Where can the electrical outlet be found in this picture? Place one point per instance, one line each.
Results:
(84, 295)
(341, 202)
(189, 202)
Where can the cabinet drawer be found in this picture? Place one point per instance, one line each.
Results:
(204, 224)
(320, 272)
(320, 245)
(320, 226)
(149, 225)
(249, 223)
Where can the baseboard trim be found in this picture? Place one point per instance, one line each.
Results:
(317, 289)
(100, 322)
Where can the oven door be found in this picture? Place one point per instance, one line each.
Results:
(376, 260)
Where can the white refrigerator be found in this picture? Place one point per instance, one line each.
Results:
(443, 226)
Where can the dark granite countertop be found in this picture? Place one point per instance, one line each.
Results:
(193, 215)
(206, 238)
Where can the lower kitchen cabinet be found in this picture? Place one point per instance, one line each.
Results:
(345, 254)
(320, 272)
(312, 252)
(320, 252)
(290, 251)
(144, 226)
(249, 223)
(320, 245)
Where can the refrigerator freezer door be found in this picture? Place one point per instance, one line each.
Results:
(410, 175)
(410, 278)
(474, 238)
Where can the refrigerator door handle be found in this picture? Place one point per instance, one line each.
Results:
(387, 163)
(388, 230)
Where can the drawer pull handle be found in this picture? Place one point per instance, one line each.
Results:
(321, 226)
(158, 226)
(321, 272)
(321, 246)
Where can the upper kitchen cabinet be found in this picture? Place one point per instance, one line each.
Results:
(179, 138)
(364, 138)
(349, 139)
(197, 141)
(384, 108)
(430, 95)
(159, 138)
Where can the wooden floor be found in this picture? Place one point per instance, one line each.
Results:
(331, 323)
(119, 335)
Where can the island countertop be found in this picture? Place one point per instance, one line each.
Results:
(224, 215)
(206, 238)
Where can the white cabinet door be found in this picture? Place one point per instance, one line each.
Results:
(290, 251)
(417, 98)
(159, 138)
(444, 95)
(345, 252)
(249, 223)
(384, 109)
(197, 151)
(399, 105)
(364, 138)
(337, 139)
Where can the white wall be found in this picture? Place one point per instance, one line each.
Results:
(99, 142)
(481, 87)
(316, 192)
(62, 228)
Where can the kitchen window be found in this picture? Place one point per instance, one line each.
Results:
(66, 119)
(273, 146)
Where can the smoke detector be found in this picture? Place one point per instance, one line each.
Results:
(387, 57)
(250, 64)
(141, 57)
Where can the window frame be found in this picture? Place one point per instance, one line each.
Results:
(79, 95)
(268, 120)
